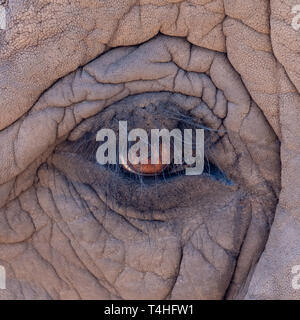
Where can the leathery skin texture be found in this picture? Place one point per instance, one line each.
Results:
(71, 229)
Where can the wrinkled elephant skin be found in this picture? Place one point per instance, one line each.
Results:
(72, 229)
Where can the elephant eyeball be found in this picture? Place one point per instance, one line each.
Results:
(148, 168)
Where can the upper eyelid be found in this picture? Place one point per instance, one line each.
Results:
(195, 106)
(65, 105)
(83, 95)
(114, 76)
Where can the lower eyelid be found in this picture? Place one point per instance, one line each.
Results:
(131, 196)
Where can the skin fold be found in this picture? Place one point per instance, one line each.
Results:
(71, 229)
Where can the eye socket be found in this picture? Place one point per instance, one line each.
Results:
(138, 188)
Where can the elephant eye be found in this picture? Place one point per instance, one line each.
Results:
(147, 169)
(157, 169)
(162, 112)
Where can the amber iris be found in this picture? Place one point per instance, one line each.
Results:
(149, 168)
